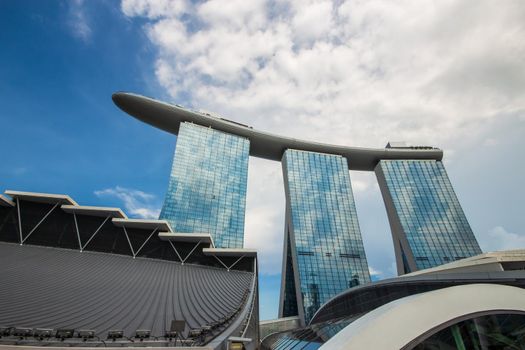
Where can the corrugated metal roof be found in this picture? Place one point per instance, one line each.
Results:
(59, 288)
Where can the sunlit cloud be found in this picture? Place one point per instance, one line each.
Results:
(136, 203)
(78, 20)
(357, 73)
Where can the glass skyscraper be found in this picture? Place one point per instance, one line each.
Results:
(428, 225)
(207, 185)
(324, 252)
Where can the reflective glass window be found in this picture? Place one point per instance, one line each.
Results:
(207, 185)
(324, 229)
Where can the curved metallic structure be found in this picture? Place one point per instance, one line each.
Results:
(401, 324)
(264, 145)
(406, 306)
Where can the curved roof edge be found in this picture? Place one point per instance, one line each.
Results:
(263, 145)
(403, 323)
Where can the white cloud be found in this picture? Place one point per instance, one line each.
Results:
(500, 239)
(349, 72)
(374, 272)
(153, 8)
(136, 203)
(78, 21)
(265, 214)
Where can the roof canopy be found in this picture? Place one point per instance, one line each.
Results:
(235, 252)
(5, 202)
(186, 237)
(144, 224)
(94, 211)
(41, 197)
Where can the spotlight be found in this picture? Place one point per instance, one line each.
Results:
(195, 333)
(142, 334)
(86, 334)
(22, 332)
(5, 331)
(64, 333)
(115, 334)
(42, 333)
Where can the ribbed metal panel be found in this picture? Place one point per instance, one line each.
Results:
(59, 288)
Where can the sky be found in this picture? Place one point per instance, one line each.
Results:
(450, 74)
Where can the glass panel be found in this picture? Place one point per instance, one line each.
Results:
(207, 186)
(324, 226)
(431, 217)
(498, 332)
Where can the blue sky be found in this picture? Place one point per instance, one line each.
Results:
(346, 72)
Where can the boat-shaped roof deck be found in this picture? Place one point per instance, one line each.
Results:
(265, 145)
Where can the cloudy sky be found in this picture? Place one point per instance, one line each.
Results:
(360, 73)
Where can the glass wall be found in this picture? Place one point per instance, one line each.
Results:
(428, 212)
(323, 228)
(207, 185)
(504, 331)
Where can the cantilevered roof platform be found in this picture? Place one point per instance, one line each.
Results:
(41, 197)
(262, 144)
(143, 224)
(187, 237)
(5, 202)
(94, 211)
(231, 252)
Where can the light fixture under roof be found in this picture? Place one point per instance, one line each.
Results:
(42, 333)
(65, 333)
(86, 334)
(115, 334)
(142, 334)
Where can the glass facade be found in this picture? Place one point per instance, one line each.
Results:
(311, 337)
(503, 331)
(323, 229)
(289, 307)
(207, 185)
(428, 212)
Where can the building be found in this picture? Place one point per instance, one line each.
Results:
(76, 275)
(473, 303)
(427, 222)
(86, 276)
(207, 186)
(323, 257)
(324, 250)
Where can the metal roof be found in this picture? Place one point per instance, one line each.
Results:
(262, 144)
(94, 211)
(5, 202)
(143, 224)
(41, 197)
(479, 261)
(230, 252)
(45, 287)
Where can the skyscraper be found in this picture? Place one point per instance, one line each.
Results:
(428, 225)
(207, 185)
(324, 252)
